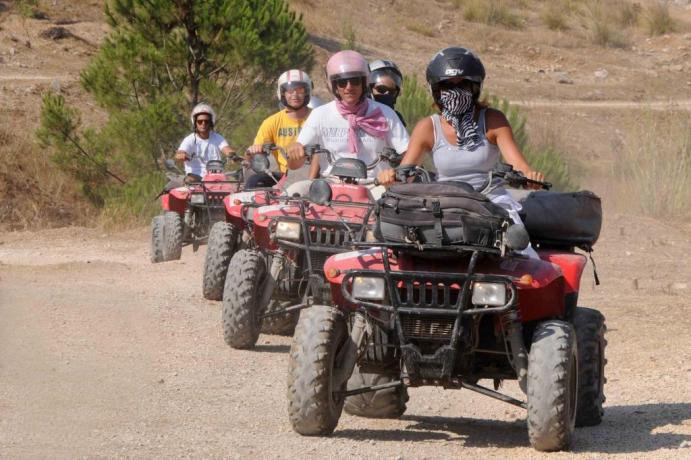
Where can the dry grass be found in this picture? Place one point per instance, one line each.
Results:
(603, 28)
(554, 16)
(491, 12)
(654, 175)
(420, 28)
(35, 194)
(657, 20)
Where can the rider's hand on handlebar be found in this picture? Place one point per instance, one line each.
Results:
(181, 156)
(296, 152)
(253, 149)
(386, 177)
(536, 176)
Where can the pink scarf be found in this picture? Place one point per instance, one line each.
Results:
(374, 124)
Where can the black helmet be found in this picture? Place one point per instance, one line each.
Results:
(382, 67)
(455, 62)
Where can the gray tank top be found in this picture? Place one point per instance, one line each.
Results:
(458, 164)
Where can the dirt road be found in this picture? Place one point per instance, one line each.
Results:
(103, 354)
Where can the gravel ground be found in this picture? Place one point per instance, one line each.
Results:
(103, 354)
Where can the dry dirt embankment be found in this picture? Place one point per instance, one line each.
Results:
(105, 354)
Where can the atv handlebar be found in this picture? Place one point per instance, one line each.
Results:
(511, 177)
(388, 155)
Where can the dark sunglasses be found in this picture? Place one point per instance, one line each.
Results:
(203, 121)
(463, 84)
(354, 81)
(381, 89)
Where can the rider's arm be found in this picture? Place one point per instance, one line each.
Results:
(421, 142)
(186, 149)
(266, 134)
(227, 150)
(309, 134)
(314, 168)
(499, 132)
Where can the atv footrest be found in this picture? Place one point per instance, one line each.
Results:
(426, 369)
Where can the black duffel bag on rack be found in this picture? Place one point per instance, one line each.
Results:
(557, 219)
(439, 214)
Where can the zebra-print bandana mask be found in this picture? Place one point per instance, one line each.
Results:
(457, 107)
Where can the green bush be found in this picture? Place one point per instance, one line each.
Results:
(415, 101)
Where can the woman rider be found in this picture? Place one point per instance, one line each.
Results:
(467, 139)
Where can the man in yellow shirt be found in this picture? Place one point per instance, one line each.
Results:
(282, 128)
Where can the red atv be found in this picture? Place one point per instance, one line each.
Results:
(234, 230)
(190, 209)
(445, 299)
(282, 272)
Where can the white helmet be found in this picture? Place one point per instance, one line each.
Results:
(200, 108)
(291, 79)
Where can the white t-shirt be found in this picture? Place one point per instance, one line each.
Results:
(201, 151)
(327, 127)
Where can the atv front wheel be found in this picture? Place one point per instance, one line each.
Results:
(173, 235)
(222, 244)
(158, 239)
(590, 334)
(386, 403)
(552, 386)
(241, 298)
(315, 401)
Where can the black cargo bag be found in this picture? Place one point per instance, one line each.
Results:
(563, 219)
(439, 214)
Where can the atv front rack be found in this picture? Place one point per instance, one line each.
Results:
(428, 307)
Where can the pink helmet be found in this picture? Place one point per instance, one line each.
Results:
(346, 64)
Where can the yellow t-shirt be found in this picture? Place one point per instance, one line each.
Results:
(281, 130)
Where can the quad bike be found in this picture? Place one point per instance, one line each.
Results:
(189, 210)
(234, 231)
(436, 309)
(282, 272)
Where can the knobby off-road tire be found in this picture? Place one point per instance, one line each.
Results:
(387, 403)
(283, 324)
(314, 405)
(590, 330)
(222, 244)
(158, 239)
(173, 235)
(241, 296)
(552, 386)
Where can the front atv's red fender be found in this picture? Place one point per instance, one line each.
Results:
(175, 200)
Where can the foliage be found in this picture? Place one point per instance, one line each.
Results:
(415, 102)
(491, 12)
(160, 59)
(657, 19)
(554, 16)
(349, 35)
(655, 171)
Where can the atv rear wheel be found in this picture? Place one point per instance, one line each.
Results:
(241, 297)
(590, 334)
(283, 324)
(552, 386)
(158, 239)
(387, 403)
(222, 244)
(173, 235)
(315, 401)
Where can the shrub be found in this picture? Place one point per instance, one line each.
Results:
(657, 19)
(414, 102)
(655, 171)
(554, 16)
(491, 12)
(601, 25)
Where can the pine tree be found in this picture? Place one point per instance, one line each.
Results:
(160, 59)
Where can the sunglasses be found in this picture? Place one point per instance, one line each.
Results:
(381, 89)
(354, 81)
(203, 121)
(300, 91)
(449, 84)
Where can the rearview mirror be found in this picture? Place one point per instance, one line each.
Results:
(259, 163)
(171, 167)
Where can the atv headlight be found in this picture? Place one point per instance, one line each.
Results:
(197, 198)
(288, 230)
(368, 288)
(493, 294)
